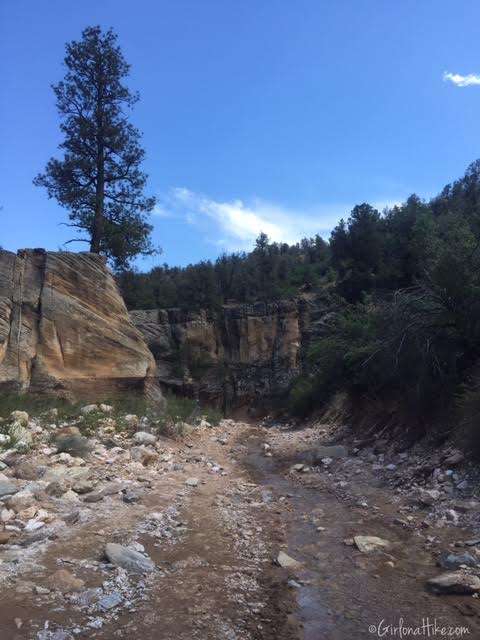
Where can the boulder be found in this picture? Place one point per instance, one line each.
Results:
(65, 330)
(70, 440)
(142, 437)
(455, 560)
(129, 559)
(457, 582)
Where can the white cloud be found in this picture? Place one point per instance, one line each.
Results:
(161, 211)
(238, 224)
(462, 81)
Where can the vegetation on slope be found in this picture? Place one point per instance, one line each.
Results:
(408, 336)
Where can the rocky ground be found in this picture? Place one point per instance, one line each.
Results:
(230, 532)
(133, 535)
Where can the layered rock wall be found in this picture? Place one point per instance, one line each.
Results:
(240, 355)
(64, 329)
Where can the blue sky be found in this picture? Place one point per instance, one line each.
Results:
(257, 114)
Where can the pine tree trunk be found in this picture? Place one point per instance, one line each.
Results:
(97, 230)
(98, 219)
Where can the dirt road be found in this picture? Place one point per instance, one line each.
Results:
(213, 515)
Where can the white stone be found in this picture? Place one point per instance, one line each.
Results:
(142, 437)
(21, 417)
(367, 544)
(287, 562)
(89, 408)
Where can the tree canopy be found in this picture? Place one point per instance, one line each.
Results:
(99, 179)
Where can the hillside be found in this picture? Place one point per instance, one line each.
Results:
(403, 343)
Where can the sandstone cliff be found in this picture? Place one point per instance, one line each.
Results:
(241, 355)
(64, 328)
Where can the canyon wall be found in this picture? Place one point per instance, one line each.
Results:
(65, 330)
(241, 355)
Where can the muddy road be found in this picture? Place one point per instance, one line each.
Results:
(213, 512)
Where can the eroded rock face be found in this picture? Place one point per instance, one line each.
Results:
(241, 355)
(65, 330)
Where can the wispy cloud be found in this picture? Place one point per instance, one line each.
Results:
(161, 211)
(462, 81)
(237, 224)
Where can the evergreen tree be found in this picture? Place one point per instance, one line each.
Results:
(99, 179)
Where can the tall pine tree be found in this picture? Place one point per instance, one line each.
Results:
(99, 180)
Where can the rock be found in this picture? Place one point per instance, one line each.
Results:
(130, 420)
(335, 452)
(27, 469)
(21, 500)
(457, 582)
(110, 601)
(28, 513)
(7, 514)
(5, 536)
(55, 489)
(298, 467)
(70, 440)
(70, 495)
(144, 455)
(426, 497)
(82, 487)
(34, 525)
(130, 560)
(130, 497)
(473, 542)
(64, 581)
(65, 329)
(455, 560)
(191, 482)
(112, 488)
(21, 417)
(41, 591)
(93, 497)
(7, 486)
(72, 518)
(89, 408)
(287, 562)
(368, 544)
(455, 457)
(451, 515)
(105, 408)
(142, 437)
(252, 345)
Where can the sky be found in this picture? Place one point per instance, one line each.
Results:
(257, 115)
